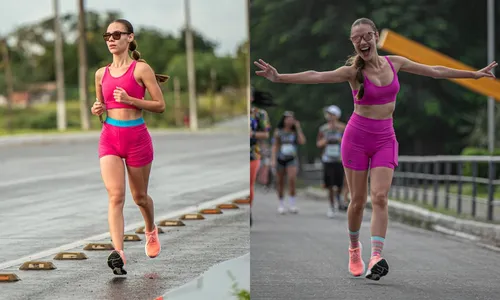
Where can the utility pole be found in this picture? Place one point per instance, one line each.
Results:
(83, 68)
(193, 116)
(491, 56)
(9, 83)
(213, 100)
(248, 85)
(59, 64)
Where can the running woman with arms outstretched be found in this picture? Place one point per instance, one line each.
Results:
(369, 141)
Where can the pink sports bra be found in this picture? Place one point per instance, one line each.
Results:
(127, 82)
(378, 94)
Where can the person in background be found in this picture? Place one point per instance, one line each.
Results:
(328, 140)
(284, 158)
(259, 130)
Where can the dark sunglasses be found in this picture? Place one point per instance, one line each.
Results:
(367, 37)
(116, 35)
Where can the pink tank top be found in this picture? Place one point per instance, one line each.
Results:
(378, 94)
(127, 82)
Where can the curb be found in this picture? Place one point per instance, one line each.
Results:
(215, 283)
(423, 218)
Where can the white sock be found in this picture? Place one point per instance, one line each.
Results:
(282, 203)
(291, 200)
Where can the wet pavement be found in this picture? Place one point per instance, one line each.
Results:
(305, 256)
(53, 196)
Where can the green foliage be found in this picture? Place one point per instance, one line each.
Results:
(163, 51)
(482, 168)
(432, 116)
(241, 294)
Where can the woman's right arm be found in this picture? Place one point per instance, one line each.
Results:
(98, 88)
(342, 74)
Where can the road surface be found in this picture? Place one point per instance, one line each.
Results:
(52, 195)
(305, 256)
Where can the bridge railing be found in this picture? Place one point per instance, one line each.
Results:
(465, 185)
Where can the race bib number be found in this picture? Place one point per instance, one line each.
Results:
(333, 150)
(288, 150)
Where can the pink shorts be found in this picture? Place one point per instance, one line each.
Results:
(129, 140)
(369, 143)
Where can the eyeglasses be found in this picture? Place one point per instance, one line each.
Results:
(367, 37)
(116, 35)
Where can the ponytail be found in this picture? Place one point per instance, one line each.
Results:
(359, 64)
(136, 55)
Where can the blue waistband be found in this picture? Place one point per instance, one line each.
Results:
(124, 123)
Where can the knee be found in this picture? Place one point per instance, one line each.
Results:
(140, 198)
(379, 198)
(358, 202)
(116, 198)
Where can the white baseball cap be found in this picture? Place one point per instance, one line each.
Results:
(334, 110)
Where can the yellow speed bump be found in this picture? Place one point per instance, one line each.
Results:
(171, 223)
(9, 277)
(70, 256)
(131, 238)
(99, 246)
(192, 217)
(227, 206)
(211, 211)
(37, 265)
(141, 229)
(242, 201)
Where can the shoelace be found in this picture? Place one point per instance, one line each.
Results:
(151, 237)
(354, 256)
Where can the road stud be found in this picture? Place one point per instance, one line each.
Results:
(70, 256)
(192, 217)
(168, 223)
(211, 211)
(37, 266)
(99, 247)
(8, 277)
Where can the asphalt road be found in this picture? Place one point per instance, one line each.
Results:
(52, 195)
(305, 256)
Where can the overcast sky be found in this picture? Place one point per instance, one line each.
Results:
(223, 21)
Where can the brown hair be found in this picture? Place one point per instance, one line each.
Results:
(359, 62)
(136, 55)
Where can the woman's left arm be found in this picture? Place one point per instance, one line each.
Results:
(147, 76)
(409, 66)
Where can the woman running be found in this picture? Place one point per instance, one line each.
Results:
(328, 140)
(284, 159)
(259, 130)
(369, 140)
(121, 87)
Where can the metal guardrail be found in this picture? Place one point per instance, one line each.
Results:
(463, 184)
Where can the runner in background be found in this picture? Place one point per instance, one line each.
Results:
(328, 140)
(259, 130)
(284, 158)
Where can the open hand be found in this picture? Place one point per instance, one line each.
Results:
(486, 72)
(266, 70)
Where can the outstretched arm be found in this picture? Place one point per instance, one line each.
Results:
(409, 66)
(339, 75)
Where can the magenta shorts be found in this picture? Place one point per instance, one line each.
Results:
(369, 143)
(129, 140)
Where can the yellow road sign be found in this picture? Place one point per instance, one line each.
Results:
(399, 45)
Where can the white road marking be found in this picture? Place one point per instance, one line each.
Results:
(102, 236)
